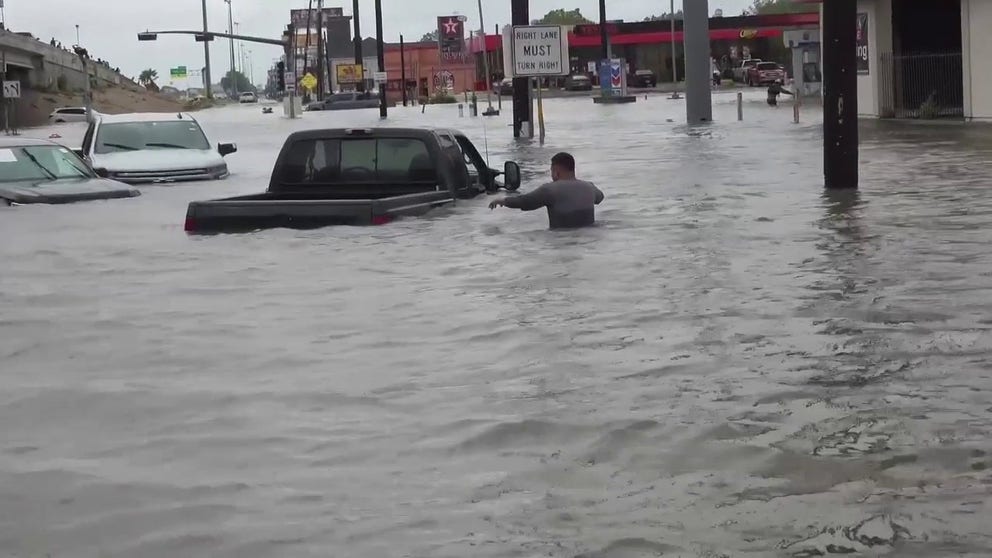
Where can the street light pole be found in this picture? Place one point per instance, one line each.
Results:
(206, 55)
(380, 57)
(230, 27)
(77, 34)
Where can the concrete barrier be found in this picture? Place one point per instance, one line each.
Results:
(41, 65)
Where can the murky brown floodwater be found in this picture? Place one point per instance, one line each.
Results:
(732, 364)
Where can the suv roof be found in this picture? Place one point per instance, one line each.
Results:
(146, 117)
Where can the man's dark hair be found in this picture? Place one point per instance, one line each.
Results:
(564, 160)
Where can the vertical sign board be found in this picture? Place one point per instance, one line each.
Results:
(451, 38)
(864, 65)
(539, 50)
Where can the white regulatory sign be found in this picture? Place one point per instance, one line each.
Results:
(539, 50)
(11, 90)
(381, 77)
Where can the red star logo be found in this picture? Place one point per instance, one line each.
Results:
(451, 27)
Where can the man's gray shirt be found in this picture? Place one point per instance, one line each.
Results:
(571, 203)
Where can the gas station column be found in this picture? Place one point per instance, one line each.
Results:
(698, 95)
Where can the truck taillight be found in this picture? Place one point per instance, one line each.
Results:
(382, 219)
(189, 225)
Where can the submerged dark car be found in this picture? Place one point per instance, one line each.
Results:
(39, 171)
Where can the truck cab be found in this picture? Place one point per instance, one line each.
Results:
(357, 176)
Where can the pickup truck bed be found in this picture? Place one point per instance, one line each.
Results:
(286, 210)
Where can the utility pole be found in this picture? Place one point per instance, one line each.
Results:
(380, 57)
(320, 50)
(206, 56)
(485, 64)
(358, 45)
(234, 67)
(675, 66)
(840, 94)
(403, 69)
(603, 35)
(522, 111)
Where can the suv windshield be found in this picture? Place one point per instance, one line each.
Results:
(40, 162)
(136, 136)
(768, 66)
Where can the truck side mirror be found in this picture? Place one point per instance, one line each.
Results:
(511, 176)
(226, 149)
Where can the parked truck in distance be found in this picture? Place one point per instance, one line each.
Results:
(357, 176)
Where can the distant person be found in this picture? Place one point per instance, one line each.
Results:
(776, 89)
(571, 202)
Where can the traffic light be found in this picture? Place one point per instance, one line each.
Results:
(281, 70)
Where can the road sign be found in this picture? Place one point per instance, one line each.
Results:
(381, 77)
(348, 74)
(12, 90)
(178, 72)
(538, 50)
(289, 77)
(309, 81)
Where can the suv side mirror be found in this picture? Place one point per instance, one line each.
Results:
(511, 176)
(226, 149)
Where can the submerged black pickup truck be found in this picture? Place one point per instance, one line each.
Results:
(357, 176)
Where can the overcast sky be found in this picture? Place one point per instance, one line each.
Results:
(108, 28)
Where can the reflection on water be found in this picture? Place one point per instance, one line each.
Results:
(733, 363)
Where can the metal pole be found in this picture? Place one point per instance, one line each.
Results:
(320, 50)
(485, 61)
(521, 86)
(675, 67)
(380, 57)
(3, 77)
(696, 47)
(840, 94)
(358, 45)
(403, 69)
(603, 35)
(234, 67)
(207, 87)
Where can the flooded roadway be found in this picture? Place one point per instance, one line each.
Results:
(732, 364)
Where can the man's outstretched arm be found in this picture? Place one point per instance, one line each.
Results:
(530, 201)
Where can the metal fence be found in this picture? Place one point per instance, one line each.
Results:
(921, 86)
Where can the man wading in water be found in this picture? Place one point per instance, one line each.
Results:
(571, 202)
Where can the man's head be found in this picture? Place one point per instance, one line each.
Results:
(562, 167)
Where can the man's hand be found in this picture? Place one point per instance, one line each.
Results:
(497, 203)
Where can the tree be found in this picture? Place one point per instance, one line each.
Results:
(761, 7)
(664, 17)
(564, 17)
(242, 83)
(148, 77)
(429, 37)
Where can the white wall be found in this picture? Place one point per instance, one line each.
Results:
(976, 21)
(870, 87)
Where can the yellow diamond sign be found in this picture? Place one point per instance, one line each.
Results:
(309, 81)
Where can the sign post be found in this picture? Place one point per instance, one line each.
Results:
(536, 51)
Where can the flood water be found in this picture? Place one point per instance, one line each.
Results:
(733, 363)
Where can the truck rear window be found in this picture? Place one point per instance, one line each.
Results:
(358, 160)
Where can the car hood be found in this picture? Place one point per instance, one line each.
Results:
(157, 160)
(65, 191)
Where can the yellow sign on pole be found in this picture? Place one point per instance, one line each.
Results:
(309, 81)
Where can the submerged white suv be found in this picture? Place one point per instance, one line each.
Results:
(153, 148)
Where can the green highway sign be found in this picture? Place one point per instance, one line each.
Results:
(179, 72)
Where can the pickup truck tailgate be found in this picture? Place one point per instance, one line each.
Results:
(260, 212)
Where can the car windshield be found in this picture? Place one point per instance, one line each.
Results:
(768, 66)
(40, 162)
(136, 136)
